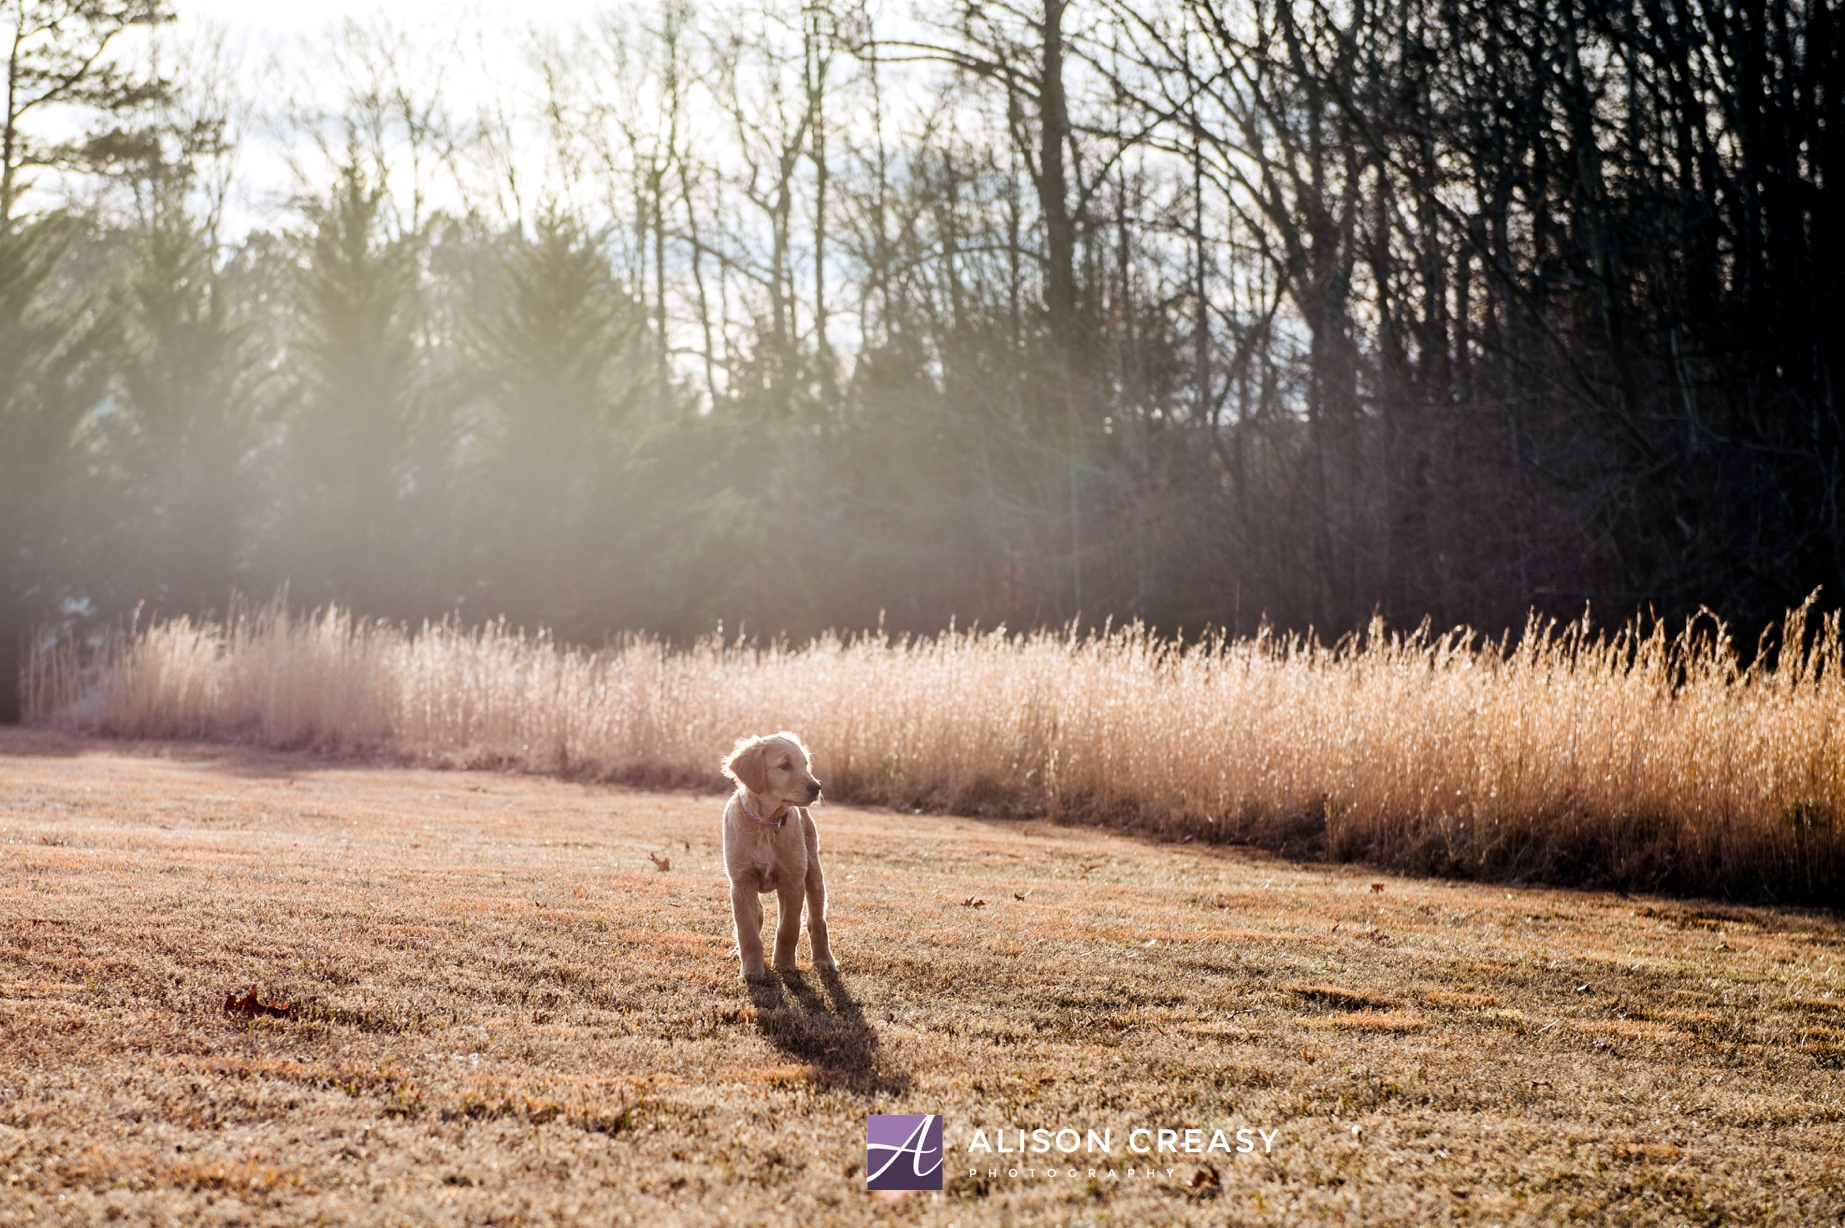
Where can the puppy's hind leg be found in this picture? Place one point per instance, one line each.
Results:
(746, 912)
(816, 904)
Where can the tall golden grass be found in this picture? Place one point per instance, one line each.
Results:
(1638, 758)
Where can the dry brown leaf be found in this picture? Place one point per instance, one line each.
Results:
(251, 1007)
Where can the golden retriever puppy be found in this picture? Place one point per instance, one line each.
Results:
(770, 844)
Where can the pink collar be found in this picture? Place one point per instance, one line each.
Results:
(743, 801)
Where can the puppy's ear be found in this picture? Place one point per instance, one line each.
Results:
(747, 765)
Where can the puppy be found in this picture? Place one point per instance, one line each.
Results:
(770, 844)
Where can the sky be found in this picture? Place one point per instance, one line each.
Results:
(269, 42)
(310, 16)
(285, 57)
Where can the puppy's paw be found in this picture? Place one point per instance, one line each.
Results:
(788, 966)
(758, 973)
(826, 964)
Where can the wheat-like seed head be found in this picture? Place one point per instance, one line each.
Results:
(1574, 755)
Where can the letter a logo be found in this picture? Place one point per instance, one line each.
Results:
(903, 1151)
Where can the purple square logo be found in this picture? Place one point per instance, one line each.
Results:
(903, 1151)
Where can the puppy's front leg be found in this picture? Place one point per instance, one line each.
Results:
(788, 924)
(816, 905)
(746, 911)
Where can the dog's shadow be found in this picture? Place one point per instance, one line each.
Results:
(830, 1034)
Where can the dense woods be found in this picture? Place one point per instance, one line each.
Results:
(813, 316)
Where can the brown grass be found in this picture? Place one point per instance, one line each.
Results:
(505, 1013)
(1635, 760)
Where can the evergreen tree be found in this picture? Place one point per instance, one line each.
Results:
(566, 376)
(195, 391)
(355, 403)
(59, 58)
(53, 373)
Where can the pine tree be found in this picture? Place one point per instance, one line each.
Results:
(53, 373)
(566, 376)
(356, 398)
(195, 392)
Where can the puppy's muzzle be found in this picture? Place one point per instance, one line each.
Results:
(813, 791)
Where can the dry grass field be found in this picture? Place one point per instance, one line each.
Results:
(505, 1011)
(1632, 759)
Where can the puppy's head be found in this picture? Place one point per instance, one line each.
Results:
(775, 767)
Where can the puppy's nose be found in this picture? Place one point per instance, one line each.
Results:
(813, 790)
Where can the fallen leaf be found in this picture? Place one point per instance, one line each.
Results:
(250, 1006)
(971, 902)
(1206, 1178)
(661, 864)
(1377, 887)
(1020, 895)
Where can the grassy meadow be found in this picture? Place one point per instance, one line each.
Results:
(1637, 759)
(512, 1003)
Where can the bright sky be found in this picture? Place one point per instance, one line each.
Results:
(282, 48)
(285, 56)
(311, 16)
(293, 34)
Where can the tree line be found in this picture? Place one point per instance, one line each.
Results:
(799, 317)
